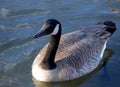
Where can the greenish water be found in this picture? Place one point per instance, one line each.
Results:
(21, 19)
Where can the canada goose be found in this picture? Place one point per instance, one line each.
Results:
(71, 55)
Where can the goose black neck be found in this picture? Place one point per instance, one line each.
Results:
(48, 61)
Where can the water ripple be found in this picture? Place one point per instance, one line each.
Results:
(115, 10)
(25, 12)
(15, 42)
(9, 13)
(24, 25)
(4, 12)
(5, 66)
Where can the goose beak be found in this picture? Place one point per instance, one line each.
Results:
(39, 34)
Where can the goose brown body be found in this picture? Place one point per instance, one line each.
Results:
(78, 53)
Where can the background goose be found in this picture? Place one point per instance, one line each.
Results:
(74, 55)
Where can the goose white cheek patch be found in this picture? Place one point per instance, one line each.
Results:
(55, 30)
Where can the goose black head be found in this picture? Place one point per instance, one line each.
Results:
(50, 27)
(110, 26)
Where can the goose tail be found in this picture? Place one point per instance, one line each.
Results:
(110, 27)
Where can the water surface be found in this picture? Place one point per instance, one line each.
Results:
(21, 19)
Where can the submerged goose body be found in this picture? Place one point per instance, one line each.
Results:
(71, 55)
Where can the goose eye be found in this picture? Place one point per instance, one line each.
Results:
(49, 29)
